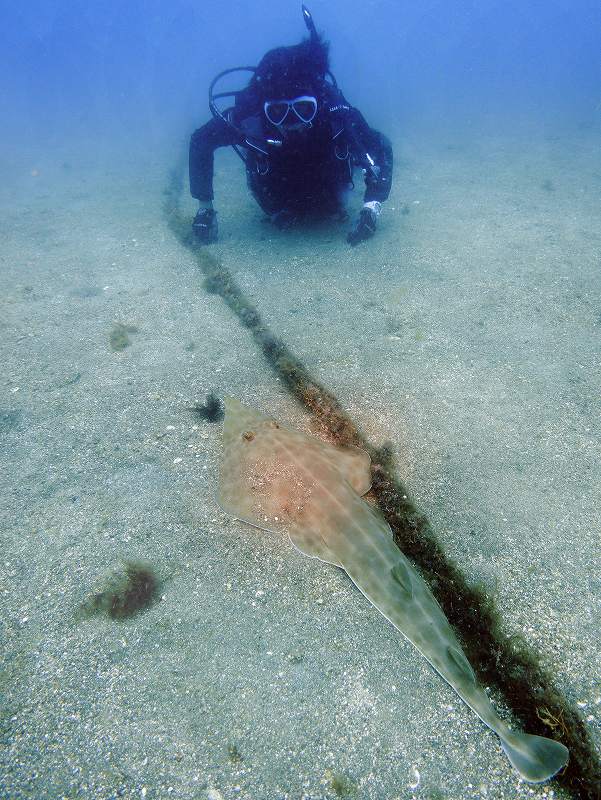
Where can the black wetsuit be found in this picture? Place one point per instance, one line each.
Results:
(308, 173)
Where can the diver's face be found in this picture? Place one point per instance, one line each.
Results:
(295, 114)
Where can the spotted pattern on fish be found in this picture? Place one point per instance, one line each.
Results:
(282, 480)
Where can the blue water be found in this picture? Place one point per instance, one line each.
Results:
(139, 70)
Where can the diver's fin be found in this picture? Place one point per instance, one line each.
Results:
(536, 758)
(310, 24)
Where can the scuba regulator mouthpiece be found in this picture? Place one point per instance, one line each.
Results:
(310, 24)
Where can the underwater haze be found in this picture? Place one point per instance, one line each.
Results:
(153, 646)
(133, 75)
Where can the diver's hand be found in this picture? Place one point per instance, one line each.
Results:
(366, 225)
(205, 226)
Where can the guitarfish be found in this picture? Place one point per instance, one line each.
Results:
(278, 479)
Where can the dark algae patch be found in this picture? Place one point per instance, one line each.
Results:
(341, 785)
(70, 380)
(233, 754)
(211, 410)
(11, 419)
(507, 664)
(128, 592)
(119, 336)
(85, 292)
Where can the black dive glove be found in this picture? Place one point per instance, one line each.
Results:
(366, 225)
(205, 226)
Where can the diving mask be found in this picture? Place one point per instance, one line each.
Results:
(304, 107)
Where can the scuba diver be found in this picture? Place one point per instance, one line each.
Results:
(299, 140)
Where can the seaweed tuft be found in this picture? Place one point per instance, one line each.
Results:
(211, 410)
(234, 754)
(119, 336)
(341, 785)
(129, 591)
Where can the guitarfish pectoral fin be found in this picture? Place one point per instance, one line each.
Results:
(310, 543)
(536, 758)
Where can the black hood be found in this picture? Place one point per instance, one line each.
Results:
(286, 72)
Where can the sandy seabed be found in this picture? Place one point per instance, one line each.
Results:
(467, 333)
